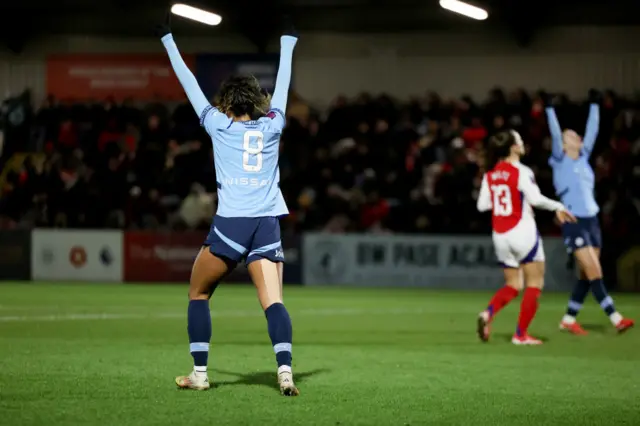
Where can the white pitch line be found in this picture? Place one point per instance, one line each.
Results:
(220, 314)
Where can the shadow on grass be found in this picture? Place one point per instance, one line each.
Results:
(598, 328)
(264, 378)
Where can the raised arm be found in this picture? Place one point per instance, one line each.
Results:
(556, 133)
(187, 79)
(484, 197)
(283, 80)
(593, 126)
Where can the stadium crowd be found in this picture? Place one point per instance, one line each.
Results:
(369, 164)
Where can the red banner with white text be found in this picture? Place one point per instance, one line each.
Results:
(97, 77)
(160, 257)
(166, 257)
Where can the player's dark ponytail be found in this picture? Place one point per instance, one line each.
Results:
(499, 148)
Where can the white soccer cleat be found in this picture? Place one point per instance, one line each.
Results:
(195, 381)
(285, 380)
(525, 340)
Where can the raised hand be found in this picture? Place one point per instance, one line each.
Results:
(287, 27)
(165, 27)
(595, 97)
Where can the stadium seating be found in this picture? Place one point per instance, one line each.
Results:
(367, 164)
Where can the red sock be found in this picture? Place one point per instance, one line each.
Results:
(528, 310)
(503, 296)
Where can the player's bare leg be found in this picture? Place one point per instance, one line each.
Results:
(588, 259)
(267, 278)
(534, 280)
(207, 272)
(513, 286)
(280, 266)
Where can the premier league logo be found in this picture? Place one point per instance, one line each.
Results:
(330, 261)
(105, 256)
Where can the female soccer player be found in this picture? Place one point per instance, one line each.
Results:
(509, 190)
(246, 225)
(573, 179)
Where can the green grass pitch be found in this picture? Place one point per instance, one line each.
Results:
(108, 354)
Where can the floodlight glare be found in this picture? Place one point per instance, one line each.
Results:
(196, 14)
(465, 9)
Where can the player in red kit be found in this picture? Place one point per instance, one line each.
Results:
(509, 190)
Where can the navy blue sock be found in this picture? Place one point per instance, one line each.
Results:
(600, 293)
(280, 332)
(578, 295)
(199, 328)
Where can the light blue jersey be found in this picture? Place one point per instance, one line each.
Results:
(245, 153)
(246, 160)
(574, 180)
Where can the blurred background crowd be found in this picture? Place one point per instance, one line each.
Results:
(366, 164)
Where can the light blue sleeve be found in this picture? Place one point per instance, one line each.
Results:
(593, 126)
(283, 81)
(209, 116)
(556, 134)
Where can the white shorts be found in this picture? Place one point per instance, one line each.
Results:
(519, 246)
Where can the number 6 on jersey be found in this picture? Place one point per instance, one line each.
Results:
(254, 151)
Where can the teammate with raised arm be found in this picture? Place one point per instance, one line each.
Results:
(509, 190)
(246, 225)
(574, 181)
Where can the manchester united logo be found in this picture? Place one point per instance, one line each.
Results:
(78, 256)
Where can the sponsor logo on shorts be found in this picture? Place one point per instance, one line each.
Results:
(579, 242)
